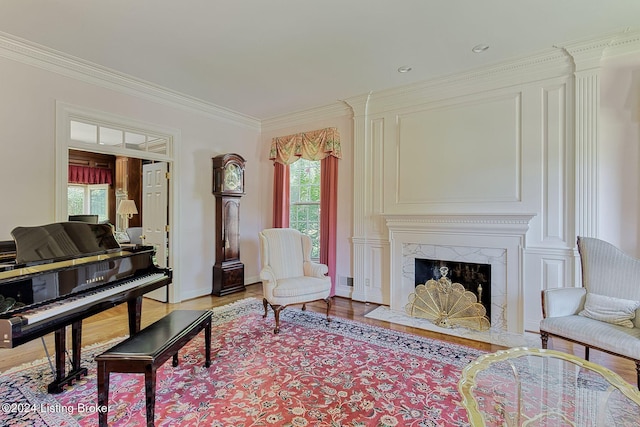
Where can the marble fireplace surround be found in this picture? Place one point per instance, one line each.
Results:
(495, 239)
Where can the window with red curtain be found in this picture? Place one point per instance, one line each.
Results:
(322, 145)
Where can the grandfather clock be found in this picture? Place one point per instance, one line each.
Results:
(228, 188)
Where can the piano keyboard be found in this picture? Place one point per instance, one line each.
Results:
(48, 311)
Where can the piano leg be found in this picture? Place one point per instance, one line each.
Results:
(135, 314)
(134, 307)
(61, 347)
(76, 343)
(76, 372)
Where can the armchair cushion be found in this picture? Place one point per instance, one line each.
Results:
(612, 310)
(596, 334)
(308, 287)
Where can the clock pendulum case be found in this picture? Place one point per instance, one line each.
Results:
(228, 188)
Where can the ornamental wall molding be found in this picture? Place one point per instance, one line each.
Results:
(36, 55)
(481, 218)
(559, 61)
(550, 64)
(312, 115)
(499, 224)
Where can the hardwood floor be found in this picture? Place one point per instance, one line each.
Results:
(113, 323)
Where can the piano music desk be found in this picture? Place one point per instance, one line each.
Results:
(147, 350)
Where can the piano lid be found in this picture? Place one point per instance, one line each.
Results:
(62, 240)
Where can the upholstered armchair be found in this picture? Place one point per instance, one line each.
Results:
(135, 235)
(604, 314)
(288, 274)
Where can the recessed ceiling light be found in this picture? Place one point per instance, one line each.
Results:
(479, 48)
(404, 69)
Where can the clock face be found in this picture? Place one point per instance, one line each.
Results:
(233, 177)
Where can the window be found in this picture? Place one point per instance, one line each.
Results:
(300, 186)
(88, 199)
(304, 201)
(83, 131)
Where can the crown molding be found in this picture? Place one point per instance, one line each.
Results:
(551, 63)
(36, 55)
(626, 43)
(359, 104)
(556, 62)
(588, 53)
(337, 109)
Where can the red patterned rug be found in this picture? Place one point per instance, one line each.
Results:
(312, 373)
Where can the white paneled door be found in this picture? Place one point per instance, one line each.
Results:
(154, 215)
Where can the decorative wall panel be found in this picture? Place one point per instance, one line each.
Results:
(464, 153)
(554, 175)
(378, 285)
(377, 174)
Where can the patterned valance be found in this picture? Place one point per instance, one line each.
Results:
(89, 175)
(314, 145)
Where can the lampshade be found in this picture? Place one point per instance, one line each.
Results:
(128, 208)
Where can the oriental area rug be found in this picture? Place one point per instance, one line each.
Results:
(313, 373)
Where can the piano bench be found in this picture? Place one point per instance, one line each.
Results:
(146, 351)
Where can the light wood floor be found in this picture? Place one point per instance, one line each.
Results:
(113, 323)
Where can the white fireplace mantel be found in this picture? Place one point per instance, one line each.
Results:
(500, 224)
(496, 239)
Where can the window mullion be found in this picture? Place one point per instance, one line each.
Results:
(87, 199)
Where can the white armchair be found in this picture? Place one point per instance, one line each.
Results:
(604, 314)
(288, 274)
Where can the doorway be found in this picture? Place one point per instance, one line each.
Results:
(103, 133)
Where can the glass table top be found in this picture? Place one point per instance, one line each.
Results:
(535, 387)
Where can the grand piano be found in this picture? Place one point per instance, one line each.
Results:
(56, 275)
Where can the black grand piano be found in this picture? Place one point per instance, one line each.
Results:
(55, 275)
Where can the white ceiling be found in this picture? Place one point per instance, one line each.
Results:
(264, 58)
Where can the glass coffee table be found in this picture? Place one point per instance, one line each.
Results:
(533, 387)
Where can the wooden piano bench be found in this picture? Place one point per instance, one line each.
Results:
(146, 351)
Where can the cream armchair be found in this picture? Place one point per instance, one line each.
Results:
(288, 274)
(604, 314)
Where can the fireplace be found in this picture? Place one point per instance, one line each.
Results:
(475, 277)
(494, 258)
(496, 240)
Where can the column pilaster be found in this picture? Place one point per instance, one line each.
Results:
(586, 58)
(360, 199)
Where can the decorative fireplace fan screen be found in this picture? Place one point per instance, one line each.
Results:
(447, 304)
